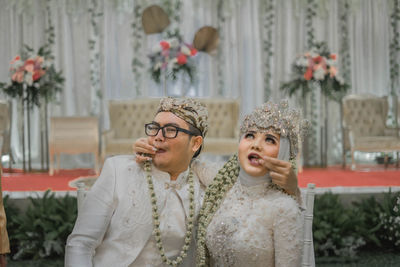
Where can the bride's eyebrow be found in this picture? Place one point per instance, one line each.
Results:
(271, 135)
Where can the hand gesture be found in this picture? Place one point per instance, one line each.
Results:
(282, 174)
(143, 150)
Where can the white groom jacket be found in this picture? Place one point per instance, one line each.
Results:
(115, 222)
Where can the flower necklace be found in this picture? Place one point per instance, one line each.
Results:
(156, 220)
(213, 198)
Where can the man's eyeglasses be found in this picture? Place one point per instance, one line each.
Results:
(168, 131)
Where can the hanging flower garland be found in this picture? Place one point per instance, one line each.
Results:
(137, 40)
(394, 47)
(95, 58)
(220, 54)
(268, 24)
(344, 10)
(312, 137)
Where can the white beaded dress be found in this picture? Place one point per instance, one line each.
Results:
(256, 225)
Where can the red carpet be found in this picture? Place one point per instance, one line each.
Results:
(18, 181)
(336, 176)
(322, 177)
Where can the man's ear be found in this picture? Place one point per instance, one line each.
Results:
(197, 141)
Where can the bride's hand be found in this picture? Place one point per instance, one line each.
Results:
(282, 174)
(143, 150)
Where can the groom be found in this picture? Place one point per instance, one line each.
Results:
(144, 216)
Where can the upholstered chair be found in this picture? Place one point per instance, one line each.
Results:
(73, 135)
(364, 124)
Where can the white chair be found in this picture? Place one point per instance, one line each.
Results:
(364, 125)
(308, 245)
(80, 194)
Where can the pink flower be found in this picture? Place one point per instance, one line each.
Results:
(332, 71)
(182, 59)
(193, 51)
(18, 76)
(165, 45)
(308, 75)
(333, 56)
(29, 65)
(37, 74)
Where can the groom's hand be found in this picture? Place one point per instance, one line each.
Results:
(282, 174)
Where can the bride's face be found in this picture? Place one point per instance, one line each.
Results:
(255, 145)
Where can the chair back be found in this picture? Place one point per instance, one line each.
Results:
(365, 114)
(80, 194)
(308, 246)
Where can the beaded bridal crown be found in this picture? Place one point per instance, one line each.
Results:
(280, 119)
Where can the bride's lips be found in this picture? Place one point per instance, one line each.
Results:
(254, 159)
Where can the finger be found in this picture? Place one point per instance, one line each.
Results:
(273, 163)
(145, 150)
(144, 147)
(141, 159)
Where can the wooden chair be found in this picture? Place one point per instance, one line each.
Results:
(308, 245)
(73, 135)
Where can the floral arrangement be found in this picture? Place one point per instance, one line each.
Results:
(172, 56)
(33, 76)
(317, 66)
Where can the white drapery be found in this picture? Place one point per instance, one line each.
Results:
(24, 22)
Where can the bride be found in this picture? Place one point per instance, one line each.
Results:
(246, 220)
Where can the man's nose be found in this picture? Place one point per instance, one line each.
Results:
(160, 136)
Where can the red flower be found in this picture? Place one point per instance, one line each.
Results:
(37, 74)
(165, 45)
(333, 56)
(193, 51)
(308, 74)
(182, 59)
(317, 59)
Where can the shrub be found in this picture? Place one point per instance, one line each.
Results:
(41, 231)
(334, 228)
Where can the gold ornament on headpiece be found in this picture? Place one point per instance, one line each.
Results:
(188, 109)
(280, 119)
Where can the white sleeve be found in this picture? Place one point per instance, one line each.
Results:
(93, 219)
(288, 233)
(206, 171)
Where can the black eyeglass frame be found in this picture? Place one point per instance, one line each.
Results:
(178, 129)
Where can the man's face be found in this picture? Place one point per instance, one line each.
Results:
(172, 155)
(255, 145)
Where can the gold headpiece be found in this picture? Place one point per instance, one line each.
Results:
(189, 110)
(280, 119)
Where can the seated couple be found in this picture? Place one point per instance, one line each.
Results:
(174, 210)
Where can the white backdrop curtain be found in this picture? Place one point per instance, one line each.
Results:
(25, 21)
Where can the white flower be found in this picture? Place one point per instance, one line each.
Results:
(185, 50)
(156, 49)
(173, 42)
(172, 63)
(157, 66)
(302, 62)
(331, 62)
(28, 79)
(319, 74)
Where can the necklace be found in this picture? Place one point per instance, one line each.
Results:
(156, 219)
